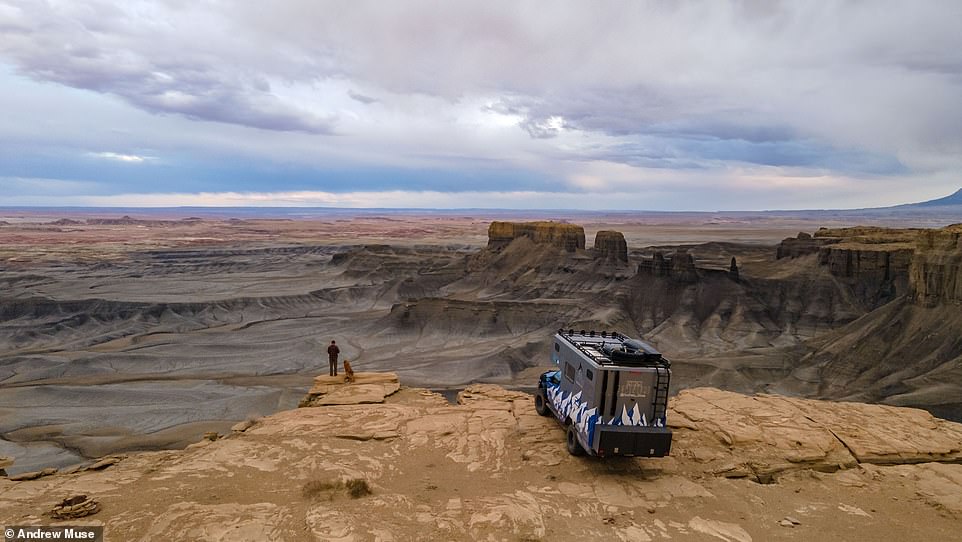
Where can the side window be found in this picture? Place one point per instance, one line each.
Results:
(557, 347)
(589, 374)
(569, 373)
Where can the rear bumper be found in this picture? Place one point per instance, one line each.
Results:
(632, 441)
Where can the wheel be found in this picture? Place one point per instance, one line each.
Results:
(540, 404)
(574, 447)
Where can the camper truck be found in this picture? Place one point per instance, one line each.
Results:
(610, 393)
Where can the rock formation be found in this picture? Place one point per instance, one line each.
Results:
(611, 245)
(683, 267)
(936, 274)
(879, 263)
(490, 468)
(878, 275)
(568, 237)
(75, 507)
(680, 266)
(366, 388)
(902, 350)
(656, 266)
(122, 221)
(804, 244)
(33, 475)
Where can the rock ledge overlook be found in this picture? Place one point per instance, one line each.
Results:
(490, 468)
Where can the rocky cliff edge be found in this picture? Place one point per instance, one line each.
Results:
(414, 467)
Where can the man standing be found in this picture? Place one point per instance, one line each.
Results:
(332, 352)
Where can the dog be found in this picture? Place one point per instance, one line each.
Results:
(348, 372)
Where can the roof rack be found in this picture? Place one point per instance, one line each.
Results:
(628, 353)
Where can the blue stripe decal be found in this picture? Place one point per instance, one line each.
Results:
(585, 420)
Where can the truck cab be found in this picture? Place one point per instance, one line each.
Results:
(610, 392)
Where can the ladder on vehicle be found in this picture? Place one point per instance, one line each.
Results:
(660, 400)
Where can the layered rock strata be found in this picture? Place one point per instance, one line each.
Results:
(680, 266)
(936, 273)
(611, 245)
(881, 264)
(568, 237)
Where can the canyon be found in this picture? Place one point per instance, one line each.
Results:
(126, 333)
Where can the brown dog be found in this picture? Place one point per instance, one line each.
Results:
(348, 372)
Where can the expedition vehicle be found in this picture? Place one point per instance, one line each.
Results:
(610, 393)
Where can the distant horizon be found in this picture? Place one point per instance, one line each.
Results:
(225, 209)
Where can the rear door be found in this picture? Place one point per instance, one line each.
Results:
(628, 397)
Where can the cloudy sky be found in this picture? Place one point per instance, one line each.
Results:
(598, 105)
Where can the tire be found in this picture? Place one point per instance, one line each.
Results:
(540, 404)
(571, 440)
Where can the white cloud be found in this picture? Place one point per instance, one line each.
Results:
(594, 97)
(118, 157)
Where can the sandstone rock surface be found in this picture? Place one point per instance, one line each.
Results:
(769, 434)
(105, 462)
(33, 475)
(367, 388)
(490, 468)
(240, 427)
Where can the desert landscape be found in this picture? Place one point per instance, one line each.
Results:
(628, 271)
(124, 334)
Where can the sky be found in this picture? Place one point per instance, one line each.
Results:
(701, 105)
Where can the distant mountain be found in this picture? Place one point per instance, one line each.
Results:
(954, 199)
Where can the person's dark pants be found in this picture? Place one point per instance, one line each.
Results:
(333, 362)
